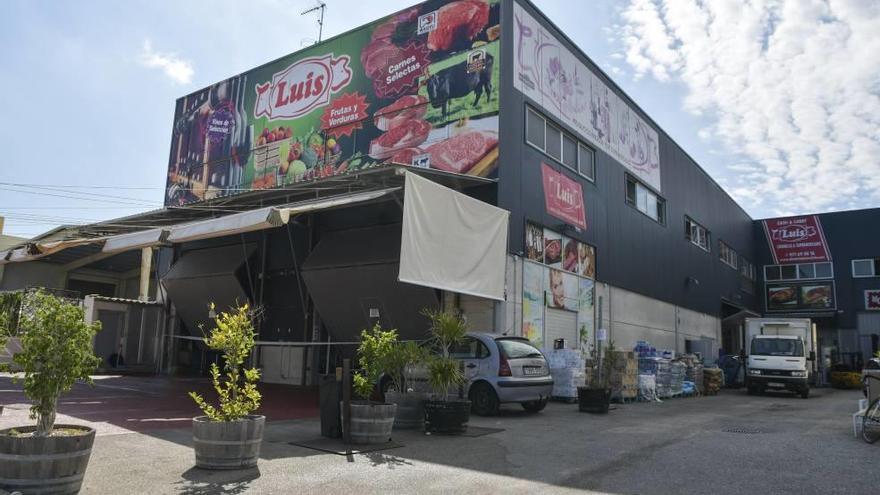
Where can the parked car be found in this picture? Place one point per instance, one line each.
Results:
(499, 369)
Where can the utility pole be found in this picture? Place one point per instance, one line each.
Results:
(320, 7)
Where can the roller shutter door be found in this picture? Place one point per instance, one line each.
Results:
(560, 324)
(479, 312)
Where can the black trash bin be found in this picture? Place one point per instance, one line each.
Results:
(329, 395)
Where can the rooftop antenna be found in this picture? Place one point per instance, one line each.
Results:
(321, 6)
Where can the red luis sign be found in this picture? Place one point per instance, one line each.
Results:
(302, 87)
(563, 197)
(796, 239)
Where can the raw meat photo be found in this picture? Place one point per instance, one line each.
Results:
(408, 134)
(458, 23)
(460, 153)
(407, 107)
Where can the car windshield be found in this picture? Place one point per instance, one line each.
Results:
(517, 348)
(777, 347)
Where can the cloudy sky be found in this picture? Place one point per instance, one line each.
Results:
(778, 100)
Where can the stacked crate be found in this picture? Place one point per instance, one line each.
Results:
(694, 372)
(624, 378)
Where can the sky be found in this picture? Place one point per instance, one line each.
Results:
(778, 100)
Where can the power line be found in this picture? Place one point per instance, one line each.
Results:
(48, 188)
(129, 203)
(83, 186)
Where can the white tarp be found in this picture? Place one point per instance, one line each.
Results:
(451, 241)
(134, 240)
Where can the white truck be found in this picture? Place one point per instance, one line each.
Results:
(780, 354)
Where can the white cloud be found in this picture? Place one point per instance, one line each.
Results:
(792, 87)
(178, 70)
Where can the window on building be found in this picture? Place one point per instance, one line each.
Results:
(696, 233)
(869, 267)
(727, 255)
(747, 269)
(559, 145)
(799, 271)
(586, 162)
(644, 200)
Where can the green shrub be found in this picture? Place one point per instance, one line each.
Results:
(56, 345)
(444, 372)
(233, 335)
(375, 352)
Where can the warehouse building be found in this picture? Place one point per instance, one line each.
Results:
(463, 154)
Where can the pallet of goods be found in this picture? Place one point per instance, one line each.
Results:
(567, 367)
(624, 378)
(713, 379)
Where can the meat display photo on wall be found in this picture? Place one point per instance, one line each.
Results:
(418, 88)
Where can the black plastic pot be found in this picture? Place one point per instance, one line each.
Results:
(450, 417)
(594, 400)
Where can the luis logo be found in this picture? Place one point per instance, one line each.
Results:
(302, 87)
(794, 233)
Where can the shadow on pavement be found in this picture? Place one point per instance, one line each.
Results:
(198, 481)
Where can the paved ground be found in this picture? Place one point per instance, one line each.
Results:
(677, 447)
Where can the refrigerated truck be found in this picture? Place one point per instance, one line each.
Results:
(780, 354)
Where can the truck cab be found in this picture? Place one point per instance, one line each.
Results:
(778, 362)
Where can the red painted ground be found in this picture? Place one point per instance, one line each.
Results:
(153, 403)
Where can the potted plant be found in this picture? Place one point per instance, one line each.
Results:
(595, 396)
(445, 414)
(56, 351)
(404, 359)
(372, 422)
(228, 436)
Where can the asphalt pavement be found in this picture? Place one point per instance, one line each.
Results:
(732, 443)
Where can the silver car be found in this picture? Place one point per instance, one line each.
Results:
(499, 370)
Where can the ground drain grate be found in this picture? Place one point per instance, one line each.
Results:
(741, 429)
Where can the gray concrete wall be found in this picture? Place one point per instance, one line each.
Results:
(32, 274)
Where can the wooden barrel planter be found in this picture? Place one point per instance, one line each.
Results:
(50, 465)
(371, 422)
(450, 416)
(228, 444)
(410, 409)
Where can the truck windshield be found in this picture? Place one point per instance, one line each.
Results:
(777, 347)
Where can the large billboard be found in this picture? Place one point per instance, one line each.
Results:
(796, 239)
(565, 88)
(417, 88)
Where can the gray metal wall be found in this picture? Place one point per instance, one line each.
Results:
(633, 251)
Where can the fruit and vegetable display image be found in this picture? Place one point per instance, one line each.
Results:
(418, 88)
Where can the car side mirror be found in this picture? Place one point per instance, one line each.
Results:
(812, 356)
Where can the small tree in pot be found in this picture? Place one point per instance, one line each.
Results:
(402, 362)
(443, 413)
(595, 397)
(56, 352)
(372, 422)
(229, 436)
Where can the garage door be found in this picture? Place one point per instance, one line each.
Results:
(869, 323)
(560, 324)
(479, 312)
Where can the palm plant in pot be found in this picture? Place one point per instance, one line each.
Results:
(445, 414)
(595, 397)
(372, 422)
(229, 435)
(404, 360)
(56, 352)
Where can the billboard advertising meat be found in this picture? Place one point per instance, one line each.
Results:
(565, 88)
(813, 296)
(796, 239)
(417, 88)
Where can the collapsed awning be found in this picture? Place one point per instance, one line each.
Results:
(35, 251)
(134, 240)
(265, 218)
(451, 241)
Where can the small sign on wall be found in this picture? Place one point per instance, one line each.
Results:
(872, 300)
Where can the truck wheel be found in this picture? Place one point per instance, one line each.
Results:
(805, 393)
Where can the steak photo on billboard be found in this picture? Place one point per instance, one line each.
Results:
(417, 88)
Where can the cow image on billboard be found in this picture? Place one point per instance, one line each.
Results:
(417, 88)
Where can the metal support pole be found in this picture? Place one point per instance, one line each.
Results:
(346, 401)
(146, 267)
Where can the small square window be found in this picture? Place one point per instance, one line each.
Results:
(535, 129)
(789, 272)
(863, 268)
(823, 270)
(569, 151)
(586, 162)
(806, 271)
(772, 272)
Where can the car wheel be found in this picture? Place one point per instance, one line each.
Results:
(534, 406)
(484, 401)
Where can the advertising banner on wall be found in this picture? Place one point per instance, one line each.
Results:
(812, 296)
(872, 300)
(563, 197)
(548, 73)
(417, 88)
(796, 239)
